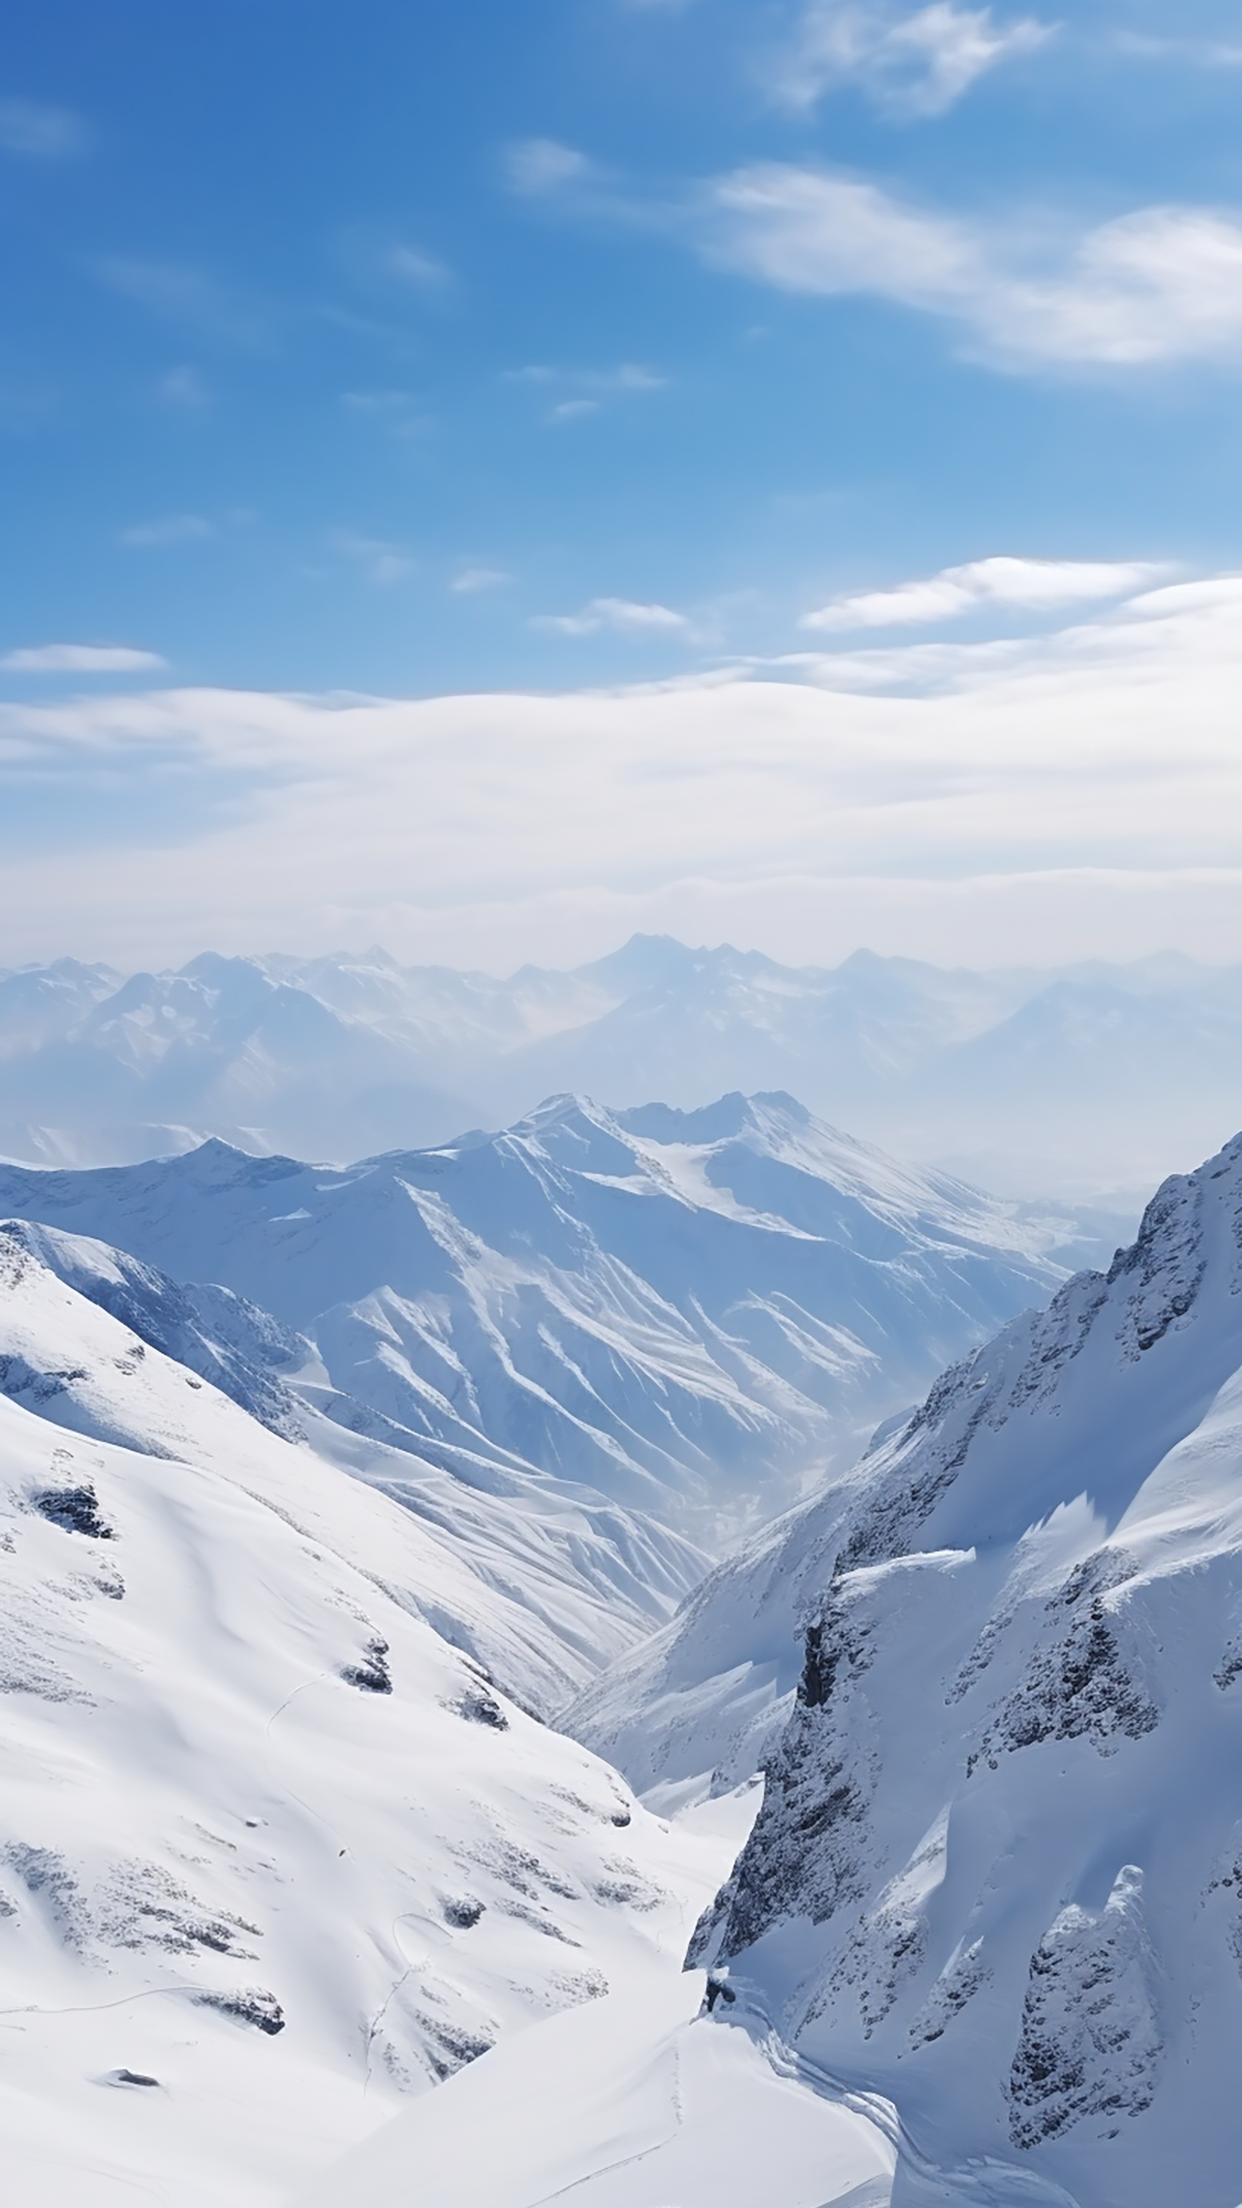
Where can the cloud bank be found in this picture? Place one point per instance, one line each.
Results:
(1162, 284)
(1057, 798)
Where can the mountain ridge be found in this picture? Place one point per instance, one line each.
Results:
(1016, 1077)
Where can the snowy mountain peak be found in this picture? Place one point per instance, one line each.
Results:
(994, 1876)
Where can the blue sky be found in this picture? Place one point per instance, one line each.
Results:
(810, 431)
(410, 348)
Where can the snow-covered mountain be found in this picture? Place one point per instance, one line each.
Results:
(996, 1876)
(273, 1854)
(666, 1320)
(540, 1586)
(1081, 1079)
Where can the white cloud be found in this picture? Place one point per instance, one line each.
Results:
(416, 267)
(1037, 586)
(621, 614)
(40, 132)
(589, 390)
(1159, 285)
(913, 64)
(169, 529)
(473, 579)
(537, 165)
(1066, 797)
(80, 659)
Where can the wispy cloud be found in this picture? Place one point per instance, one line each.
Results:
(1033, 586)
(384, 259)
(167, 529)
(80, 659)
(622, 615)
(470, 580)
(1194, 53)
(39, 132)
(1162, 284)
(587, 390)
(380, 561)
(179, 292)
(919, 63)
(413, 265)
(533, 166)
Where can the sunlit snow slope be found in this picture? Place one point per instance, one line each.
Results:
(636, 2104)
(997, 1876)
(540, 1589)
(684, 1316)
(273, 1855)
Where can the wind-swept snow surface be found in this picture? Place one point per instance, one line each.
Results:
(273, 1855)
(634, 2105)
(676, 1317)
(997, 1875)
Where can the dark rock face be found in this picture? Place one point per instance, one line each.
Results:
(75, 1508)
(481, 1708)
(462, 1913)
(371, 1674)
(1089, 2045)
(1081, 1685)
(807, 1853)
(250, 2005)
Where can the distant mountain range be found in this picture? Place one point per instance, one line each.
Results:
(1085, 1081)
(677, 1322)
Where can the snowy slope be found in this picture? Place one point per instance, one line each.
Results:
(634, 2103)
(540, 1591)
(273, 1855)
(685, 1314)
(1088, 1078)
(997, 1871)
